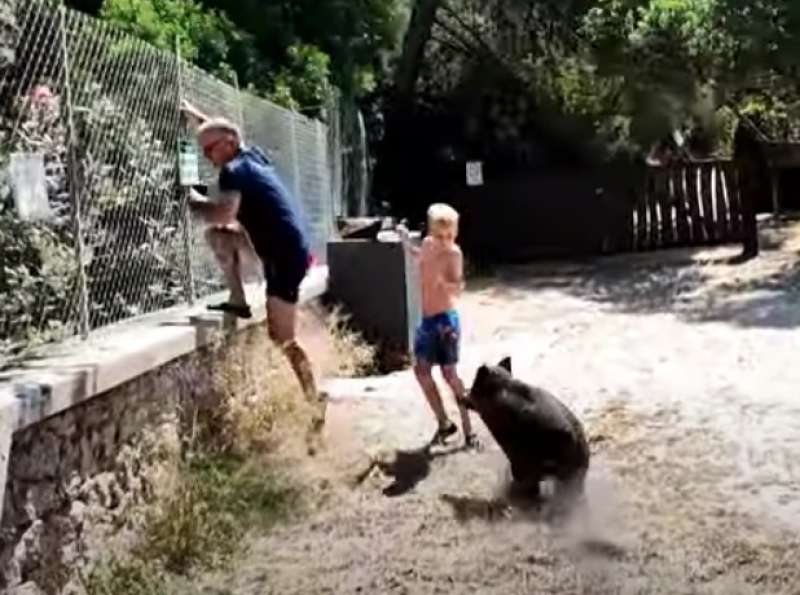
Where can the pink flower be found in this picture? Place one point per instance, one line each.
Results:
(41, 94)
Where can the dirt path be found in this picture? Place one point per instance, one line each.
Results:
(687, 376)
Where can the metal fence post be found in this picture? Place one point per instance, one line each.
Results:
(240, 103)
(363, 187)
(334, 146)
(295, 159)
(75, 183)
(323, 151)
(188, 265)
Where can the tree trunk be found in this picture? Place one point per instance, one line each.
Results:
(416, 38)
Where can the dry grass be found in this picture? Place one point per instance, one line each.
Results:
(228, 480)
(260, 401)
(353, 356)
(204, 522)
(129, 577)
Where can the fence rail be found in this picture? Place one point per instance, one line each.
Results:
(110, 237)
(687, 204)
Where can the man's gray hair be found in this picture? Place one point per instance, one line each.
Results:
(222, 125)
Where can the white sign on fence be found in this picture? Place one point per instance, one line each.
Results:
(474, 173)
(188, 168)
(29, 186)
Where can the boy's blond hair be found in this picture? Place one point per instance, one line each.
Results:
(441, 214)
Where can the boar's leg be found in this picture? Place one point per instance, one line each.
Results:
(571, 487)
(527, 480)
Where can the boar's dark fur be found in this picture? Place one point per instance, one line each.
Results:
(540, 436)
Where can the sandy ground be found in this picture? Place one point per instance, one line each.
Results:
(686, 374)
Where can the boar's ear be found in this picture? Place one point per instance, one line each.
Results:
(505, 363)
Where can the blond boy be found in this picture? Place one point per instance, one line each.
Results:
(439, 335)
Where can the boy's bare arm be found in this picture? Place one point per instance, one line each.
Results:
(453, 277)
(405, 238)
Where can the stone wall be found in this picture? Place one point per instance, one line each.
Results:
(77, 480)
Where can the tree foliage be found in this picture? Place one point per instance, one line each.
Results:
(354, 34)
(684, 60)
(206, 36)
(624, 72)
(292, 51)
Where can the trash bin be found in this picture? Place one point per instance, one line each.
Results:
(377, 283)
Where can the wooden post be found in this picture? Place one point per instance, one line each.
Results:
(751, 168)
(707, 201)
(679, 197)
(774, 177)
(693, 194)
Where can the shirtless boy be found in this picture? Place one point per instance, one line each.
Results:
(438, 336)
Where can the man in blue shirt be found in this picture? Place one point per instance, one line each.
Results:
(255, 211)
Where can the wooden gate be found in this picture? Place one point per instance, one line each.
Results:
(687, 204)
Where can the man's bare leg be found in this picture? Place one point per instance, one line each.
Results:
(282, 324)
(225, 243)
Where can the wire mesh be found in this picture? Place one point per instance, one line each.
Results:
(215, 98)
(100, 109)
(313, 186)
(298, 148)
(124, 105)
(39, 289)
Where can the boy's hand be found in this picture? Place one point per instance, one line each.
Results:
(405, 239)
(403, 232)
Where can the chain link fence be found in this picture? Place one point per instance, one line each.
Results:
(94, 227)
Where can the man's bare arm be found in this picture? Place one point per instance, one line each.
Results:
(218, 212)
(195, 117)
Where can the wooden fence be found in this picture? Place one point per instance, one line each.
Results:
(687, 204)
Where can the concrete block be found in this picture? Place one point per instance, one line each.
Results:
(76, 371)
(9, 415)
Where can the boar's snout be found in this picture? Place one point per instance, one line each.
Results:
(466, 401)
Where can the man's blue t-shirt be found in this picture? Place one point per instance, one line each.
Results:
(266, 210)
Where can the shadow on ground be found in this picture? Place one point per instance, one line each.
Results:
(698, 285)
(407, 468)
